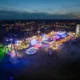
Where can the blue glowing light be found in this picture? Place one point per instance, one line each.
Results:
(62, 34)
(10, 39)
(7, 40)
(34, 42)
(31, 51)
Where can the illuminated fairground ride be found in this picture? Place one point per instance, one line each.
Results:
(31, 45)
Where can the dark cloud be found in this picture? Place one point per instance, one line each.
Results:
(4, 15)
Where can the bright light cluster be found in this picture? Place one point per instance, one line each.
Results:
(51, 40)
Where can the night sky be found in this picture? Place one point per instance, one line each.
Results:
(47, 9)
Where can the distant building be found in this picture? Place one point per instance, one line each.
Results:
(78, 30)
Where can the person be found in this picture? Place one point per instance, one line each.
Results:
(49, 51)
(13, 57)
(38, 31)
